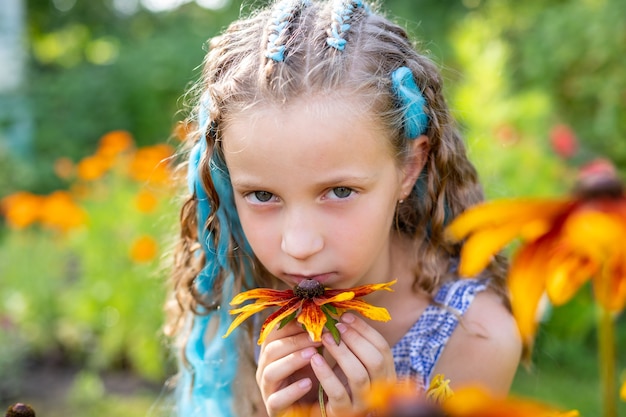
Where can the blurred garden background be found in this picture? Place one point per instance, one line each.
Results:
(91, 93)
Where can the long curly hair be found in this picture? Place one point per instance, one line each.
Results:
(276, 56)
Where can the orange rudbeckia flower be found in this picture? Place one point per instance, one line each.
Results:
(565, 243)
(313, 305)
(473, 401)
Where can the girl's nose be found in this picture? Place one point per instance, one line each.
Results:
(301, 238)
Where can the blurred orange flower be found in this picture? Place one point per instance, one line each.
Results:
(114, 143)
(386, 398)
(310, 303)
(146, 201)
(566, 242)
(144, 249)
(150, 163)
(60, 211)
(473, 401)
(93, 167)
(21, 209)
(622, 391)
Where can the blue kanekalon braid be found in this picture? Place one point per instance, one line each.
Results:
(205, 385)
(412, 102)
(282, 15)
(341, 15)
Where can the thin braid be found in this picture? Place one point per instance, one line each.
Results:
(341, 15)
(283, 14)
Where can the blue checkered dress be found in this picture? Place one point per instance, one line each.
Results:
(416, 354)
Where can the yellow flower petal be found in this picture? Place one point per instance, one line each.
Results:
(622, 391)
(261, 294)
(526, 283)
(343, 296)
(370, 288)
(609, 284)
(367, 310)
(313, 320)
(565, 275)
(275, 318)
(502, 212)
(594, 233)
(244, 313)
(480, 247)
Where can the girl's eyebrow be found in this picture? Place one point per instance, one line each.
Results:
(254, 182)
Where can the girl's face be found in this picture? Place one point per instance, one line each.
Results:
(316, 185)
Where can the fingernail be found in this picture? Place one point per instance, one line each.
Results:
(341, 327)
(347, 318)
(318, 360)
(308, 353)
(305, 383)
(328, 338)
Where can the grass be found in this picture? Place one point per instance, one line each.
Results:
(567, 378)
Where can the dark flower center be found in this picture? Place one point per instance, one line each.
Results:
(20, 410)
(308, 288)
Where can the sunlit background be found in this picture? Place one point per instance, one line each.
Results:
(90, 96)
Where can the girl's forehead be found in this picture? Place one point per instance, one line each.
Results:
(322, 108)
(306, 123)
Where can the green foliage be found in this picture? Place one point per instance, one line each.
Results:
(82, 292)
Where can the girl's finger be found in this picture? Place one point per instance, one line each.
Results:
(368, 345)
(283, 342)
(280, 400)
(339, 402)
(356, 373)
(270, 377)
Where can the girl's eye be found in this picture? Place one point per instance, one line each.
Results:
(261, 196)
(342, 192)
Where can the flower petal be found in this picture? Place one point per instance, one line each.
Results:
(501, 212)
(367, 310)
(610, 284)
(526, 282)
(313, 319)
(262, 294)
(363, 289)
(277, 316)
(244, 312)
(342, 296)
(479, 248)
(567, 272)
(595, 233)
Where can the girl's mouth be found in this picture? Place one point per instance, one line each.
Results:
(298, 278)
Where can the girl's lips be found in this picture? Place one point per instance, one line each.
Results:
(321, 278)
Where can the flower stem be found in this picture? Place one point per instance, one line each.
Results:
(321, 399)
(320, 390)
(606, 348)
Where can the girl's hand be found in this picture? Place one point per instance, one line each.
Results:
(363, 356)
(280, 374)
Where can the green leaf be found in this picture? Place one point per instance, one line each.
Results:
(331, 323)
(287, 319)
(331, 308)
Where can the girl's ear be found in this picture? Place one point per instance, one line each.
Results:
(416, 159)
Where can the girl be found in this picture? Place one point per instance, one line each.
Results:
(324, 150)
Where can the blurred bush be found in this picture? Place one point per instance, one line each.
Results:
(81, 268)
